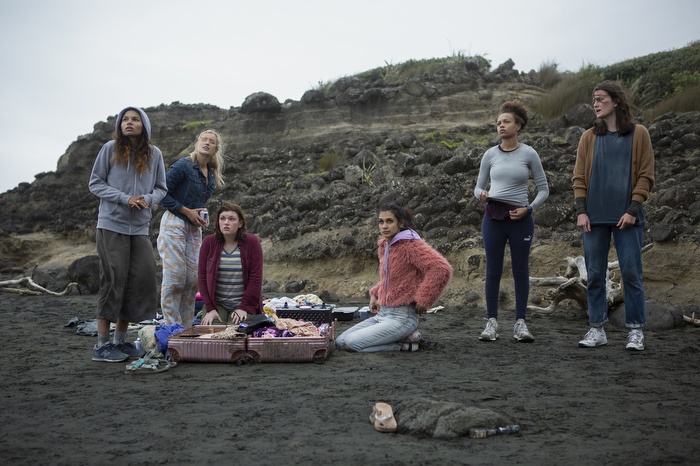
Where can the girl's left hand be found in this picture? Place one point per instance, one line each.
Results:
(519, 213)
(238, 316)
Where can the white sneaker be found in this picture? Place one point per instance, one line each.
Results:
(490, 333)
(594, 337)
(521, 333)
(635, 340)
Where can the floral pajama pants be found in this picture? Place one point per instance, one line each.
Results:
(178, 245)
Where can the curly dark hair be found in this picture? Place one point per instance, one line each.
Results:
(519, 111)
(623, 111)
(403, 214)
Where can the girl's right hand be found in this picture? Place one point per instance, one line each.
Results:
(208, 319)
(193, 215)
(582, 221)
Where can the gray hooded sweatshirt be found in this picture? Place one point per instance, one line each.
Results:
(115, 183)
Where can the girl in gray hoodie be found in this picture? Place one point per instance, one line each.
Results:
(129, 178)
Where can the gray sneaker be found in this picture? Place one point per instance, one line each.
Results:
(635, 340)
(131, 350)
(490, 333)
(521, 333)
(594, 337)
(108, 353)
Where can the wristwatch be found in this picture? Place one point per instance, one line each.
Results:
(529, 209)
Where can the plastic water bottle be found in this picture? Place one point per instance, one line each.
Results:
(483, 433)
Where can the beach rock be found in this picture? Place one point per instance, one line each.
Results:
(660, 316)
(86, 273)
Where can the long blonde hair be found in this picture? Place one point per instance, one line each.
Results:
(217, 161)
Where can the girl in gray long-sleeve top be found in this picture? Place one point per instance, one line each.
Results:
(128, 177)
(508, 214)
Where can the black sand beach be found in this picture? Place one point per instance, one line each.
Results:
(574, 406)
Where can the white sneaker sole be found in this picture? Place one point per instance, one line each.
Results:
(589, 345)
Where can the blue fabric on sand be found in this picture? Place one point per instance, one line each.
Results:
(163, 333)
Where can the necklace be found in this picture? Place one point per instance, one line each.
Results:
(503, 149)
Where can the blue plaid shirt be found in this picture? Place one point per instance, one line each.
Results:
(187, 186)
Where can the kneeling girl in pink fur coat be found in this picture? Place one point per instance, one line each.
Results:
(412, 275)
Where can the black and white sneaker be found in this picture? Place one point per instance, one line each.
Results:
(108, 353)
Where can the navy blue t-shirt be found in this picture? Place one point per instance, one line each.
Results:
(610, 189)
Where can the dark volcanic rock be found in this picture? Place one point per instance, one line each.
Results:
(308, 173)
(86, 273)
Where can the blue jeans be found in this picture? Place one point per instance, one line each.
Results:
(518, 233)
(596, 247)
(382, 332)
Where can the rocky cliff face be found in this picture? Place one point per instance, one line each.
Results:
(310, 174)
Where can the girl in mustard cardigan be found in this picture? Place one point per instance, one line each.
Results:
(411, 277)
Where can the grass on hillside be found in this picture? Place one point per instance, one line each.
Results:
(685, 100)
(196, 124)
(331, 159)
(659, 83)
(416, 68)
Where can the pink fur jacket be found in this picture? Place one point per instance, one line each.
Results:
(417, 273)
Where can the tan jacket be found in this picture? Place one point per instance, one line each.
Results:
(642, 165)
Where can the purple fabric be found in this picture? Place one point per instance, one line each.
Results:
(496, 210)
(261, 332)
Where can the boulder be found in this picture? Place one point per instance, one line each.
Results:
(86, 273)
(660, 316)
(260, 102)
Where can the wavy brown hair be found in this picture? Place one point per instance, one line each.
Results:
(123, 148)
(623, 111)
(230, 206)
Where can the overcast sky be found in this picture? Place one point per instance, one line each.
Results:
(68, 64)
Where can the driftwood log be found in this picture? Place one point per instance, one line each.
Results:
(692, 319)
(31, 288)
(573, 285)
